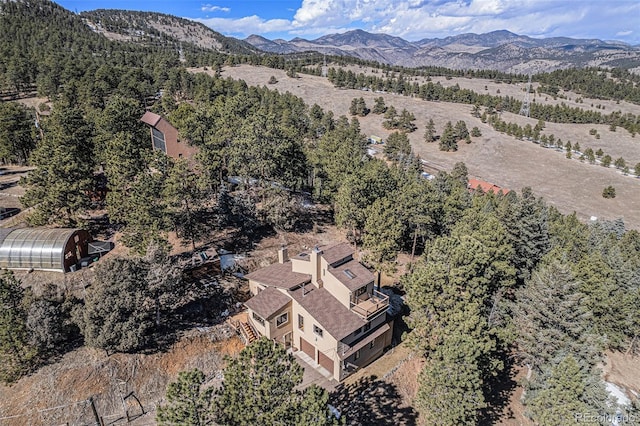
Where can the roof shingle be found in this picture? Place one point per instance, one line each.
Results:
(336, 253)
(268, 302)
(352, 274)
(279, 275)
(331, 315)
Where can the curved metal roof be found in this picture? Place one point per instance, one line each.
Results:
(37, 248)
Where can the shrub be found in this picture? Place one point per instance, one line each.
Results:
(609, 192)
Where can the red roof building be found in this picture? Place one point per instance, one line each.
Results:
(164, 137)
(476, 184)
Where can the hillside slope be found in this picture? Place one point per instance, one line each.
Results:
(158, 28)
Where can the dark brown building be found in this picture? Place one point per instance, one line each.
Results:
(164, 137)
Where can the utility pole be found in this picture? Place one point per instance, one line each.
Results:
(324, 67)
(525, 109)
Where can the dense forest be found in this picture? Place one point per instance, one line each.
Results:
(495, 280)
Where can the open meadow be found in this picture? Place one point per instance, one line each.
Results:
(569, 185)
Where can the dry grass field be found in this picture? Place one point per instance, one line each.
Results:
(569, 185)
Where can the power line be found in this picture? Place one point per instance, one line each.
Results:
(525, 109)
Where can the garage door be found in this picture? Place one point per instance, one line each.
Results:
(325, 361)
(308, 348)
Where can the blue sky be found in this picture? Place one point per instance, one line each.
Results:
(409, 19)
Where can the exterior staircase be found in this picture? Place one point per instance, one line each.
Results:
(248, 334)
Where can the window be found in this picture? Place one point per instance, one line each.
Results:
(258, 318)
(158, 140)
(349, 274)
(372, 344)
(358, 331)
(356, 355)
(282, 319)
(360, 291)
(367, 327)
(317, 330)
(300, 322)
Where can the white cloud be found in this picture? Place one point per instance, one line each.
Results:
(246, 26)
(417, 19)
(212, 8)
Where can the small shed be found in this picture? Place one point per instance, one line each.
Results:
(45, 249)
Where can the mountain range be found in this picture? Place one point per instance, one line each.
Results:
(500, 50)
(497, 50)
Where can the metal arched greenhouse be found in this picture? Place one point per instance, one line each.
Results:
(45, 249)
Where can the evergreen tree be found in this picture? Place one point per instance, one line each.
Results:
(359, 191)
(430, 132)
(58, 189)
(448, 141)
(461, 131)
(116, 316)
(258, 389)
(568, 395)
(397, 146)
(382, 232)
(450, 385)
(550, 318)
(187, 403)
(16, 355)
(184, 195)
(379, 107)
(17, 138)
(526, 220)
(45, 325)
(406, 122)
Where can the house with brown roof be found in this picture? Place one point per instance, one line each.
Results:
(323, 303)
(165, 138)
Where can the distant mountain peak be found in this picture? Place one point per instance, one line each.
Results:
(501, 50)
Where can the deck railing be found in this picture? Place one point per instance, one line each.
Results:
(370, 305)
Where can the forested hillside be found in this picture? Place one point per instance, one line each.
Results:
(493, 280)
(152, 28)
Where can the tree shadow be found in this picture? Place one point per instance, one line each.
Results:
(372, 402)
(500, 389)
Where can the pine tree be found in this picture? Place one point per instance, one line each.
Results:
(183, 192)
(448, 141)
(16, 355)
(59, 187)
(430, 132)
(397, 146)
(450, 386)
(188, 403)
(382, 232)
(117, 315)
(258, 387)
(550, 317)
(567, 395)
(379, 107)
(16, 133)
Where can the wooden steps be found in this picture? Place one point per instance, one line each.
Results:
(248, 333)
